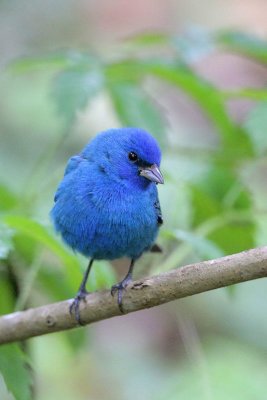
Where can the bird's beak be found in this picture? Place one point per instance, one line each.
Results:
(152, 173)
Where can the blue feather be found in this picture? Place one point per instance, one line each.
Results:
(103, 208)
(106, 205)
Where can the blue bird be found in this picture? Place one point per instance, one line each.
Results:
(107, 206)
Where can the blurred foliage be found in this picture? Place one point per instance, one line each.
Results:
(212, 201)
(15, 370)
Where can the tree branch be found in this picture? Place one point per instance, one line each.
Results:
(145, 293)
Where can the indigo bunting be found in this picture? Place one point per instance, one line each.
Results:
(106, 205)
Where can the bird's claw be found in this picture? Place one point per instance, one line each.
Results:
(120, 287)
(75, 306)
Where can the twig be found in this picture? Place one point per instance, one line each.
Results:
(145, 293)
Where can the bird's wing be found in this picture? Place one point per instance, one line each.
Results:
(158, 212)
(155, 248)
(72, 166)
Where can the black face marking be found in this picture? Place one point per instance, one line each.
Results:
(143, 164)
(133, 157)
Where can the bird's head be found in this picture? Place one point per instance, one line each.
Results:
(127, 154)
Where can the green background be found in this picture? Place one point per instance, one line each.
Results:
(71, 69)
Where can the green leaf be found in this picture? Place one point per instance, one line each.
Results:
(7, 300)
(77, 339)
(30, 64)
(203, 246)
(102, 276)
(218, 181)
(7, 199)
(148, 39)
(73, 88)
(134, 108)
(6, 243)
(204, 206)
(4, 392)
(126, 71)
(248, 93)
(256, 126)
(218, 190)
(53, 61)
(232, 230)
(26, 247)
(244, 43)
(211, 100)
(49, 279)
(194, 44)
(16, 373)
(235, 237)
(234, 370)
(41, 234)
(208, 97)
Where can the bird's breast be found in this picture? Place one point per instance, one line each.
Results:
(119, 223)
(106, 221)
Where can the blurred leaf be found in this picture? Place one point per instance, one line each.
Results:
(211, 100)
(231, 290)
(237, 197)
(7, 300)
(6, 244)
(204, 206)
(125, 71)
(55, 285)
(256, 126)
(230, 232)
(40, 234)
(13, 367)
(194, 44)
(7, 199)
(26, 247)
(207, 96)
(134, 108)
(243, 43)
(219, 190)
(234, 237)
(249, 93)
(77, 339)
(203, 246)
(201, 91)
(72, 88)
(30, 64)
(221, 183)
(54, 61)
(4, 392)
(217, 181)
(101, 276)
(220, 369)
(148, 39)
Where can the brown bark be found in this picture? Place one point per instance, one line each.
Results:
(145, 293)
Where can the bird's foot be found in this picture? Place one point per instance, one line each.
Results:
(120, 287)
(75, 306)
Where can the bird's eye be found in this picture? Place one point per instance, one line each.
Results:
(132, 156)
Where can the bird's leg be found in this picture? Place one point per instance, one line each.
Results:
(82, 292)
(121, 286)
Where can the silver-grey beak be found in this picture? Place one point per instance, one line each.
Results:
(152, 173)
